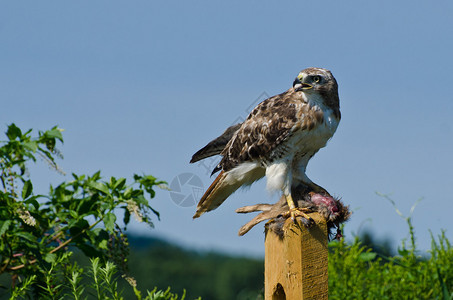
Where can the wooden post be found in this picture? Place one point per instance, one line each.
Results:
(296, 264)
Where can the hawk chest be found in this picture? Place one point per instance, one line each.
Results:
(311, 133)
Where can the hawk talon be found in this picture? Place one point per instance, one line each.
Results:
(272, 220)
(306, 220)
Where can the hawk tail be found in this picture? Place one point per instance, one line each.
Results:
(217, 192)
(226, 183)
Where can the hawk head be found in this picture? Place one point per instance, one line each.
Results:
(312, 81)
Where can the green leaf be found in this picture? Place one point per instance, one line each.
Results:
(55, 133)
(109, 221)
(100, 238)
(86, 205)
(96, 176)
(77, 177)
(76, 227)
(403, 252)
(128, 193)
(445, 293)
(4, 225)
(367, 256)
(26, 236)
(127, 216)
(119, 183)
(13, 132)
(103, 244)
(155, 212)
(50, 257)
(100, 187)
(74, 214)
(333, 243)
(33, 202)
(31, 145)
(27, 189)
(141, 200)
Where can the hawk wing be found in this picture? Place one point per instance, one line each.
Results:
(261, 137)
(258, 140)
(215, 146)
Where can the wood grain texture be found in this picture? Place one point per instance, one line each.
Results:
(296, 266)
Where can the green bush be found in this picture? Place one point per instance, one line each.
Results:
(38, 233)
(355, 272)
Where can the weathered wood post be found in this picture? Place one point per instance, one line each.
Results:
(296, 263)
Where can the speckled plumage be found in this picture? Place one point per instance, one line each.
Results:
(277, 139)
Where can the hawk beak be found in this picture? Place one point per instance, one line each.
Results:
(299, 85)
(297, 82)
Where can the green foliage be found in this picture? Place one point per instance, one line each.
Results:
(164, 295)
(100, 282)
(355, 272)
(38, 231)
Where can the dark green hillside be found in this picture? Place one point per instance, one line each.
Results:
(209, 275)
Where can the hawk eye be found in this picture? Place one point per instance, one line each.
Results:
(316, 79)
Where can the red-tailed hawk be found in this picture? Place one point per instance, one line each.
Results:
(276, 140)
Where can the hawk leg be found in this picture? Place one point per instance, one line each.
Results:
(316, 189)
(295, 212)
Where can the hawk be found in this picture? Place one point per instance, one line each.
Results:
(277, 140)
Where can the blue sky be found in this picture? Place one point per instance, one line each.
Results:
(139, 86)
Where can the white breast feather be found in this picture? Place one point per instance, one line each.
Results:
(303, 145)
(245, 173)
(277, 175)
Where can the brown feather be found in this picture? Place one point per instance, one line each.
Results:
(217, 192)
(267, 126)
(215, 146)
(223, 186)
